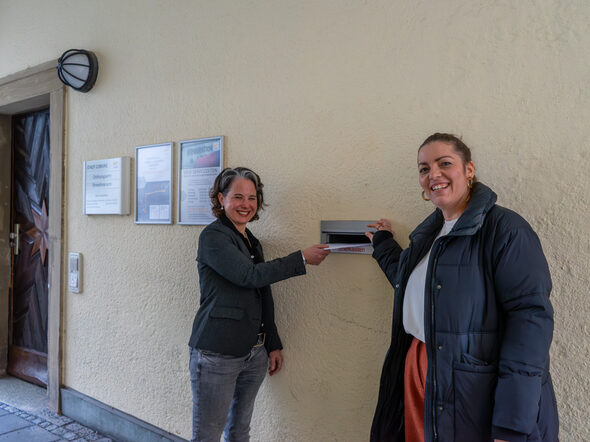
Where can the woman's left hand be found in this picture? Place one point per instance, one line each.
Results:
(276, 362)
(382, 224)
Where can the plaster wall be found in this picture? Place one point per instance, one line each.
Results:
(328, 101)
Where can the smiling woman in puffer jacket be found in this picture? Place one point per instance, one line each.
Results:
(472, 320)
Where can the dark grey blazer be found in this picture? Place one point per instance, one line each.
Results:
(236, 300)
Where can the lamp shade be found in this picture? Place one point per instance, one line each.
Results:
(78, 68)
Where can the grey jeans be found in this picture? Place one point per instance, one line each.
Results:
(224, 390)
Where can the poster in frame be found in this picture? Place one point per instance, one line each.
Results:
(153, 184)
(199, 162)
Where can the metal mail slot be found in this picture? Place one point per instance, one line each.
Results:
(347, 232)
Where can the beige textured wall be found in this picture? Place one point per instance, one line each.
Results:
(328, 101)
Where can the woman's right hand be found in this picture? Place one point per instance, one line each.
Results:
(314, 255)
(382, 224)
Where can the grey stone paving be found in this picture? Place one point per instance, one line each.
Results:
(19, 426)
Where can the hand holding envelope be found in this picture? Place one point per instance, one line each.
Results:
(315, 254)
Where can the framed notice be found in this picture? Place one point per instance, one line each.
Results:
(199, 162)
(153, 184)
(106, 186)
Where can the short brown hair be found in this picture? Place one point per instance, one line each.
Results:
(223, 182)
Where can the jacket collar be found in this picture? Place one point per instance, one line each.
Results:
(482, 200)
(227, 223)
(223, 219)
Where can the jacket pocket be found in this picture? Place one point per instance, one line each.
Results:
(235, 313)
(474, 384)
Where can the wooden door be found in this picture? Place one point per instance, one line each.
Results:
(27, 355)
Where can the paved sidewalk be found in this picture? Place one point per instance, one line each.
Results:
(19, 426)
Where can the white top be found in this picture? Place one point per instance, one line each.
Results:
(414, 298)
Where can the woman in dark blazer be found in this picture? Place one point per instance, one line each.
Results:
(234, 340)
(472, 320)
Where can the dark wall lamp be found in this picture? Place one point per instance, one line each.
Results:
(78, 68)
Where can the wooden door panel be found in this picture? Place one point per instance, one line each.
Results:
(29, 295)
(28, 364)
(30, 310)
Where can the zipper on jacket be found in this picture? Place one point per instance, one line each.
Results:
(439, 249)
(432, 351)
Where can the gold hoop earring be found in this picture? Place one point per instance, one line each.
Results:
(424, 197)
(470, 183)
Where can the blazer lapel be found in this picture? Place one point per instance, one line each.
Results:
(242, 245)
(224, 221)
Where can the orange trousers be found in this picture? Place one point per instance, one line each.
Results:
(414, 382)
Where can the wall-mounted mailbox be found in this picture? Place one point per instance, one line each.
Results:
(347, 236)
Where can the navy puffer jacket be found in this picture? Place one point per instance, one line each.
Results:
(488, 324)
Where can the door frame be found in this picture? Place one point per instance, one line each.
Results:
(25, 91)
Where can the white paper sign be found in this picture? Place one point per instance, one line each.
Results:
(106, 186)
(153, 188)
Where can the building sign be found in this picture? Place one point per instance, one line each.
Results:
(106, 186)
